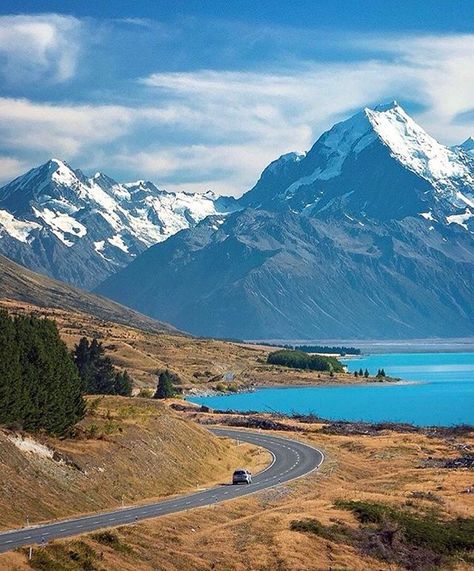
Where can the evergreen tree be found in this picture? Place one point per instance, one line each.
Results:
(356, 374)
(40, 388)
(165, 389)
(361, 372)
(366, 373)
(123, 384)
(302, 360)
(11, 401)
(95, 369)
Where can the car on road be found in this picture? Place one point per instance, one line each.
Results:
(241, 476)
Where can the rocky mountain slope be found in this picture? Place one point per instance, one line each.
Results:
(20, 284)
(369, 234)
(56, 221)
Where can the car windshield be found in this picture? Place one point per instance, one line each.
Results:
(239, 472)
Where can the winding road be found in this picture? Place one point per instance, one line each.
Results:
(291, 460)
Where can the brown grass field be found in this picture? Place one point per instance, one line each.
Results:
(126, 449)
(254, 533)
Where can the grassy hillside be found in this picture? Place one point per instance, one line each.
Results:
(260, 532)
(199, 362)
(19, 283)
(125, 448)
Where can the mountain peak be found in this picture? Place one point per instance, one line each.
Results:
(57, 163)
(381, 107)
(412, 146)
(468, 144)
(103, 180)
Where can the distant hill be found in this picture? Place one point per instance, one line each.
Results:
(19, 283)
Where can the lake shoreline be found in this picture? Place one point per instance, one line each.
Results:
(380, 346)
(205, 392)
(421, 389)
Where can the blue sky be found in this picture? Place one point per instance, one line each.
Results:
(198, 95)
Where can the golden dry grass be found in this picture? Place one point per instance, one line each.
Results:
(135, 449)
(199, 362)
(254, 533)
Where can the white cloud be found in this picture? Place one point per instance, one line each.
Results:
(270, 114)
(63, 130)
(43, 47)
(219, 129)
(10, 168)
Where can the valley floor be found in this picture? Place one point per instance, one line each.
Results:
(396, 468)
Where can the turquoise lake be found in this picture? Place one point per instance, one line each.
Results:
(442, 393)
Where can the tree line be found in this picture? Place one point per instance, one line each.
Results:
(40, 387)
(301, 360)
(42, 384)
(340, 350)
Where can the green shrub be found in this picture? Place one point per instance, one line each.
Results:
(145, 393)
(337, 533)
(418, 542)
(444, 537)
(301, 360)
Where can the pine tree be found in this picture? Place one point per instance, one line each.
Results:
(95, 369)
(366, 373)
(165, 389)
(40, 388)
(356, 374)
(123, 384)
(10, 372)
(361, 372)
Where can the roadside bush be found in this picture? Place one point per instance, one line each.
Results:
(418, 542)
(440, 535)
(336, 532)
(57, 557)
(112, 540)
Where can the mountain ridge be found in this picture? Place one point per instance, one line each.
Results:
(55, 220)
(21, 284)
(351, 239)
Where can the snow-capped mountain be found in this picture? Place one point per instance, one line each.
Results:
(349, 165)
(368, 234)
(55, 220)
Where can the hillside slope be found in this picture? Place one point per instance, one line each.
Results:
(19, 283)
(130, 449)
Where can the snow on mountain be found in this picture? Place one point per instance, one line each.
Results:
(17, 229)
(344, 170)
(368, 234)
(54, 207)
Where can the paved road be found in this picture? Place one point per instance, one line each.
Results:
(291, 459)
